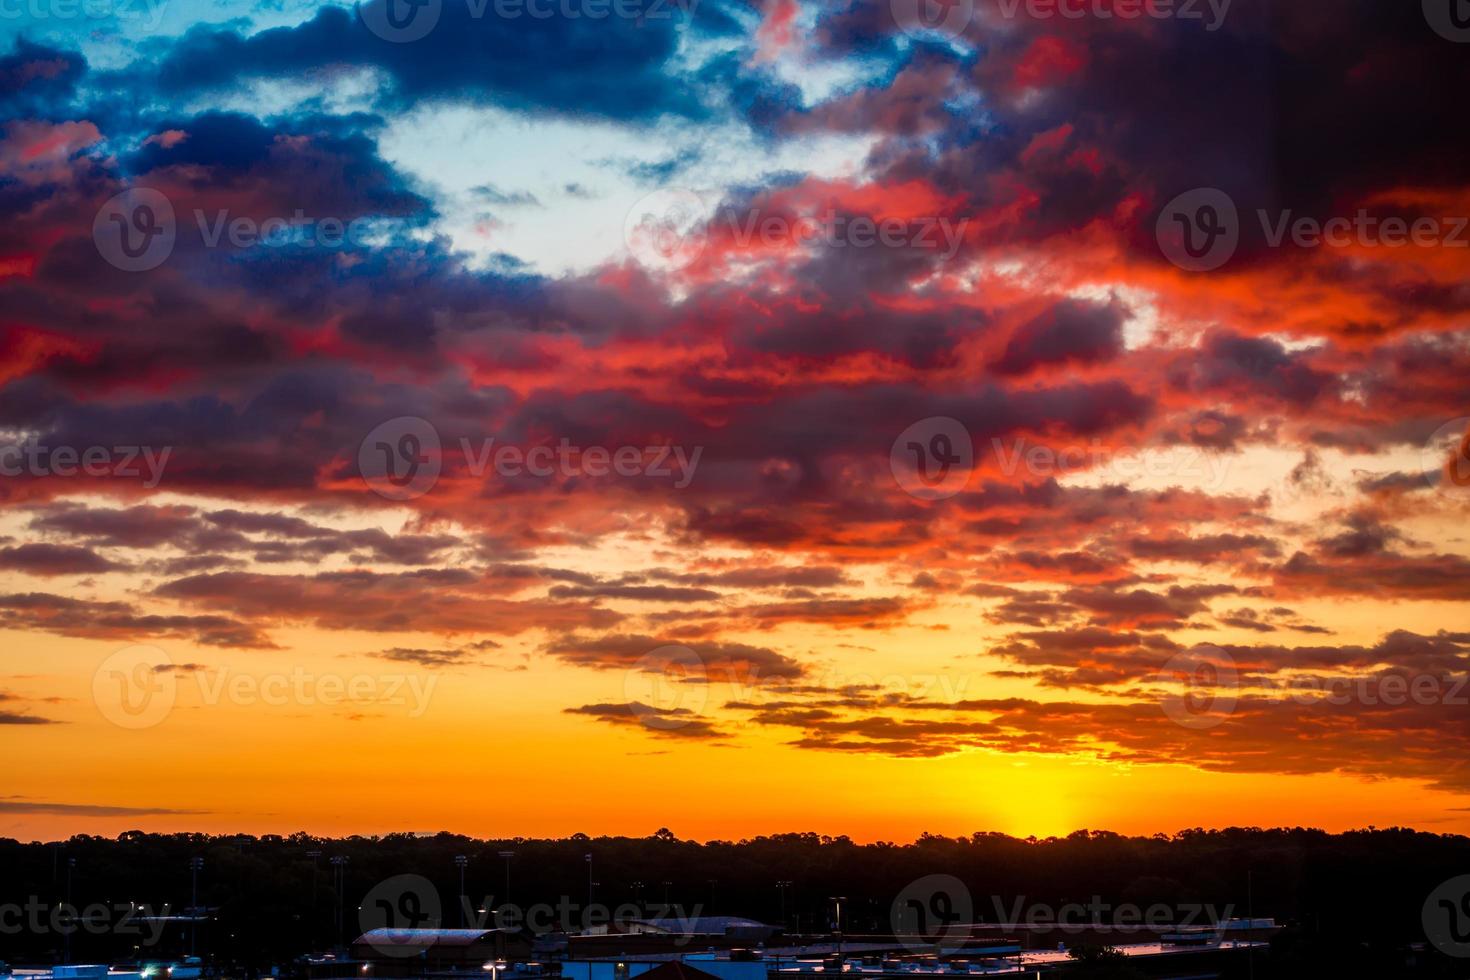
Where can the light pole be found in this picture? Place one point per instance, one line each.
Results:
(781, 887)
(506, 856)
(839, 899)
(1250, 910)
(589, 883)
(340, 864)
(71, 865)
(666, 897)
(460, 861)
(315, 914)
(195, 864)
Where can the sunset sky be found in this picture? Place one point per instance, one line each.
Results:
(735, 416)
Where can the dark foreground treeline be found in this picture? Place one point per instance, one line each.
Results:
(1353, 902)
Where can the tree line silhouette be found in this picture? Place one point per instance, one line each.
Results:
(1351, 903)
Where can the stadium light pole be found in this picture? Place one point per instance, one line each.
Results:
(315, 913)
(71, 865)
(340, 863)
(460, 861)
(506, 856)
(195, 864)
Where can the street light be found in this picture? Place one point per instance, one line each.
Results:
(839, 899)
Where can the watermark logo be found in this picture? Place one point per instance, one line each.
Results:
(1202, 684)
(400, 21)
(1117, 464)
(671, 229)
(38, 917)
(402, 458)
(136, 15)
(667, 688)
(1446, 458)
(136, 687)
(1185, 10)
(931, 18)
(395, 906)
(1446, 917)
(666, 229)
(1450, 19)
(932, 911)
(135, 230)
(933, 459)
(1199, 230)
(31, 457)
(1207, 923)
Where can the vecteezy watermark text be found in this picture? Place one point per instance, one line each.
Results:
(146, 14)
(1200, 230)
(137, 687)
(671, 228)
(404, 21)
(137, 230)
(37, 917)
(31, 457)
(404, 457)
(1197, 10)
(410, 902)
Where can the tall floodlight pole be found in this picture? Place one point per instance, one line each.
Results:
(460, 861)
(506, 856)
(589, 883)
(340, 864)
(195, 865)
(315, 914)
(71, 865)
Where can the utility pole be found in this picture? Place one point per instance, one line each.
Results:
(195, 864)
(460, 861)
